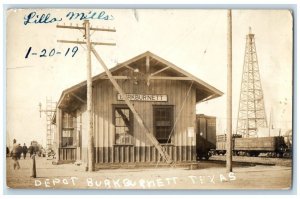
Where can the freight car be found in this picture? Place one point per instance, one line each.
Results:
(205, 135)
(221, 143)
(272, 146)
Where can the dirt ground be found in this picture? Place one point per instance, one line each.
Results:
(207, 175)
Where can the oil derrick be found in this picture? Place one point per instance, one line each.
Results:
(49, 111)
(251, 113)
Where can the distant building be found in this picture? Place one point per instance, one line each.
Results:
(163, 94)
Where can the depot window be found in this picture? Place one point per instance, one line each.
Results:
(68, 136)
(163, 123)
(123, 121)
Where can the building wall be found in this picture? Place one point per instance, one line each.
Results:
(183, 144)
(183, 147)
(81, 117)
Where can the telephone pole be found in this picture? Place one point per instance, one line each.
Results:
(91, 165)
(90, 48)
(229, 93)
(86, 28)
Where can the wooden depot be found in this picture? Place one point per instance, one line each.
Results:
(162, 95)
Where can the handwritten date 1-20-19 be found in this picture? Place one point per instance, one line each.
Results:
(51, 52)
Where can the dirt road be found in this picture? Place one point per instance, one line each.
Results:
(208, 175)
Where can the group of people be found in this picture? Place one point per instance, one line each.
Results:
(18, 150)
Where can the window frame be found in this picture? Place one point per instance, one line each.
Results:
(172, 108)
(68, 126)
(71, 137)
(131, 121)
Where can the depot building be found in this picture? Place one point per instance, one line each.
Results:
(164, 96)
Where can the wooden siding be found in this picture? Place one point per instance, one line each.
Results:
(132, 154)
(105, 96)
(182, 147)
(67, 154)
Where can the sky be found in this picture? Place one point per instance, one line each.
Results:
(194, 40)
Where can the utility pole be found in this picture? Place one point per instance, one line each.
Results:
(86, 28)
(91, 161)
(90, 48)
(270, 122)
(229, 93)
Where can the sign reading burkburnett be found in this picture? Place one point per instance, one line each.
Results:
(141, 97)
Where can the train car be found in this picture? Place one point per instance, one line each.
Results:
(205, 135)
(221, 144)
(272, 146)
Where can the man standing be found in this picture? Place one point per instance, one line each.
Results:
(31, 149)
(25, 150)
(14, 154)
(20, 149)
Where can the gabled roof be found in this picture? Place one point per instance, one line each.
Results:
(158, 65)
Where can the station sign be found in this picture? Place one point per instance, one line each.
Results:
(146, 98)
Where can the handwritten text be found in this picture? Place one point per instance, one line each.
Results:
(46, 18)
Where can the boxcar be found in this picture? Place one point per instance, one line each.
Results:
(205, 135)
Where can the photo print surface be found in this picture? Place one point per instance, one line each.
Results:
(138, 99)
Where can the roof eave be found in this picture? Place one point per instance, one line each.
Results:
(215, 92)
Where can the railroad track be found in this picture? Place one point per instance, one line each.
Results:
(257, 160)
